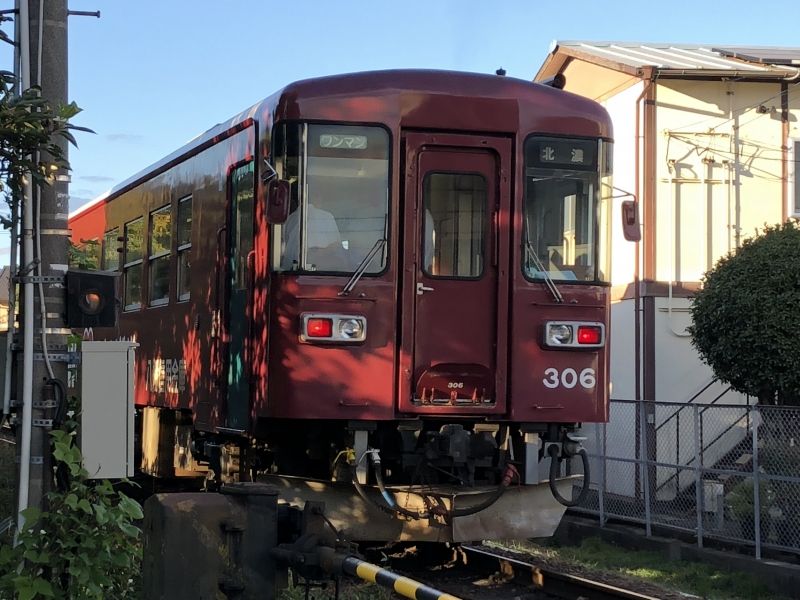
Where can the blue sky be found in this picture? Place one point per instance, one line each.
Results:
(150, 75)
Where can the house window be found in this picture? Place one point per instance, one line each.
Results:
(160, 249)
(794, 180)
(184, 246)
(132, 264)
(111, 250)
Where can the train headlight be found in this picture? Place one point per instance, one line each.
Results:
(558, 334)
(351, 328)
(574, 334)
(332, 328)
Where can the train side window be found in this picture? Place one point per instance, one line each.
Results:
(184, 246)
(159, 258)
(111, 250)
(133, 264)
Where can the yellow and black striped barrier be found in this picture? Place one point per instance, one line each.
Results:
(408, 588)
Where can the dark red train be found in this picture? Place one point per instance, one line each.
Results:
(391, 280)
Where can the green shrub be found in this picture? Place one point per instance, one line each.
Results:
(85, 545)
(745, 323)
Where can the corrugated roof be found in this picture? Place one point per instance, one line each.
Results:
(686, 58)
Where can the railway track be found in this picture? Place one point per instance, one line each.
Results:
(481, 573)
(552, 583)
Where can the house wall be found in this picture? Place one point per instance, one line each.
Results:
(718, 171)
(719, 178)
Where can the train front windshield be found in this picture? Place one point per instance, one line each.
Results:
(340, 197)
(566, 210)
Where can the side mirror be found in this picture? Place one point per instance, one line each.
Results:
(630, 221)
(278, 197)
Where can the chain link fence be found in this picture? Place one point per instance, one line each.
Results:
(729, 472)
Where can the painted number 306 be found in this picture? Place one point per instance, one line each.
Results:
(569, 378)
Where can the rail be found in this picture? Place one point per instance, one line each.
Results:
(549, 581)
(478, 572)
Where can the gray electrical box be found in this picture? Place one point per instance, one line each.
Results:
(107, 411)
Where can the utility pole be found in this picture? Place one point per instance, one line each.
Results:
(45, 243)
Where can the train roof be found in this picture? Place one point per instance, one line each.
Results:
(401, 88)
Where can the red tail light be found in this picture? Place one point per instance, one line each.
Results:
(319, 328)
(589, 334)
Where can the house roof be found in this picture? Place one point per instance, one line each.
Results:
(686, 60)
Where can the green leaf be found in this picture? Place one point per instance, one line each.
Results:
(31, 515)
(40, 586)
(130, 507)
(25, 592)
(7, 555)
(83, 504)
(101, 512)
(129, 530)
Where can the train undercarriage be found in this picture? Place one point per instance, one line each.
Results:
(429, 479)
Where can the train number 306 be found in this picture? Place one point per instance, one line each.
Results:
(569, 378)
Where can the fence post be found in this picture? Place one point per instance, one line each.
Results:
(756, 490)
(600, 443)
(698, 474)
(644, 465)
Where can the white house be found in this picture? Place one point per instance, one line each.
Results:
(708, 140)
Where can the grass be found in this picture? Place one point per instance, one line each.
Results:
(694, 578)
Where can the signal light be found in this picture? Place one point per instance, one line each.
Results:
(589, 334)
(319, 328)
(90, 299)
(91, 302)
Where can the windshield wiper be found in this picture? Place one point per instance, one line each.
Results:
(362, 267)
(548, 281)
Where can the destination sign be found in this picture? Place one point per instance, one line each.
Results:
(560, 153)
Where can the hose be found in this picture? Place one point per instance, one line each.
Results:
(508, 475)
(393, 508)
(387, 495)
(61, 401)
(555, 462)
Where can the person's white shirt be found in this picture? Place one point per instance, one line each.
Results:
(322, 233)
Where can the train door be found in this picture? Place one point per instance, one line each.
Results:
(239, 273)
(457, 200)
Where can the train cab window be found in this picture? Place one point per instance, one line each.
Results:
(564, 215)
(133, 264)
(454, 227)
(111, 250)
(340, 198)
(159, 259)
(184, 246)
